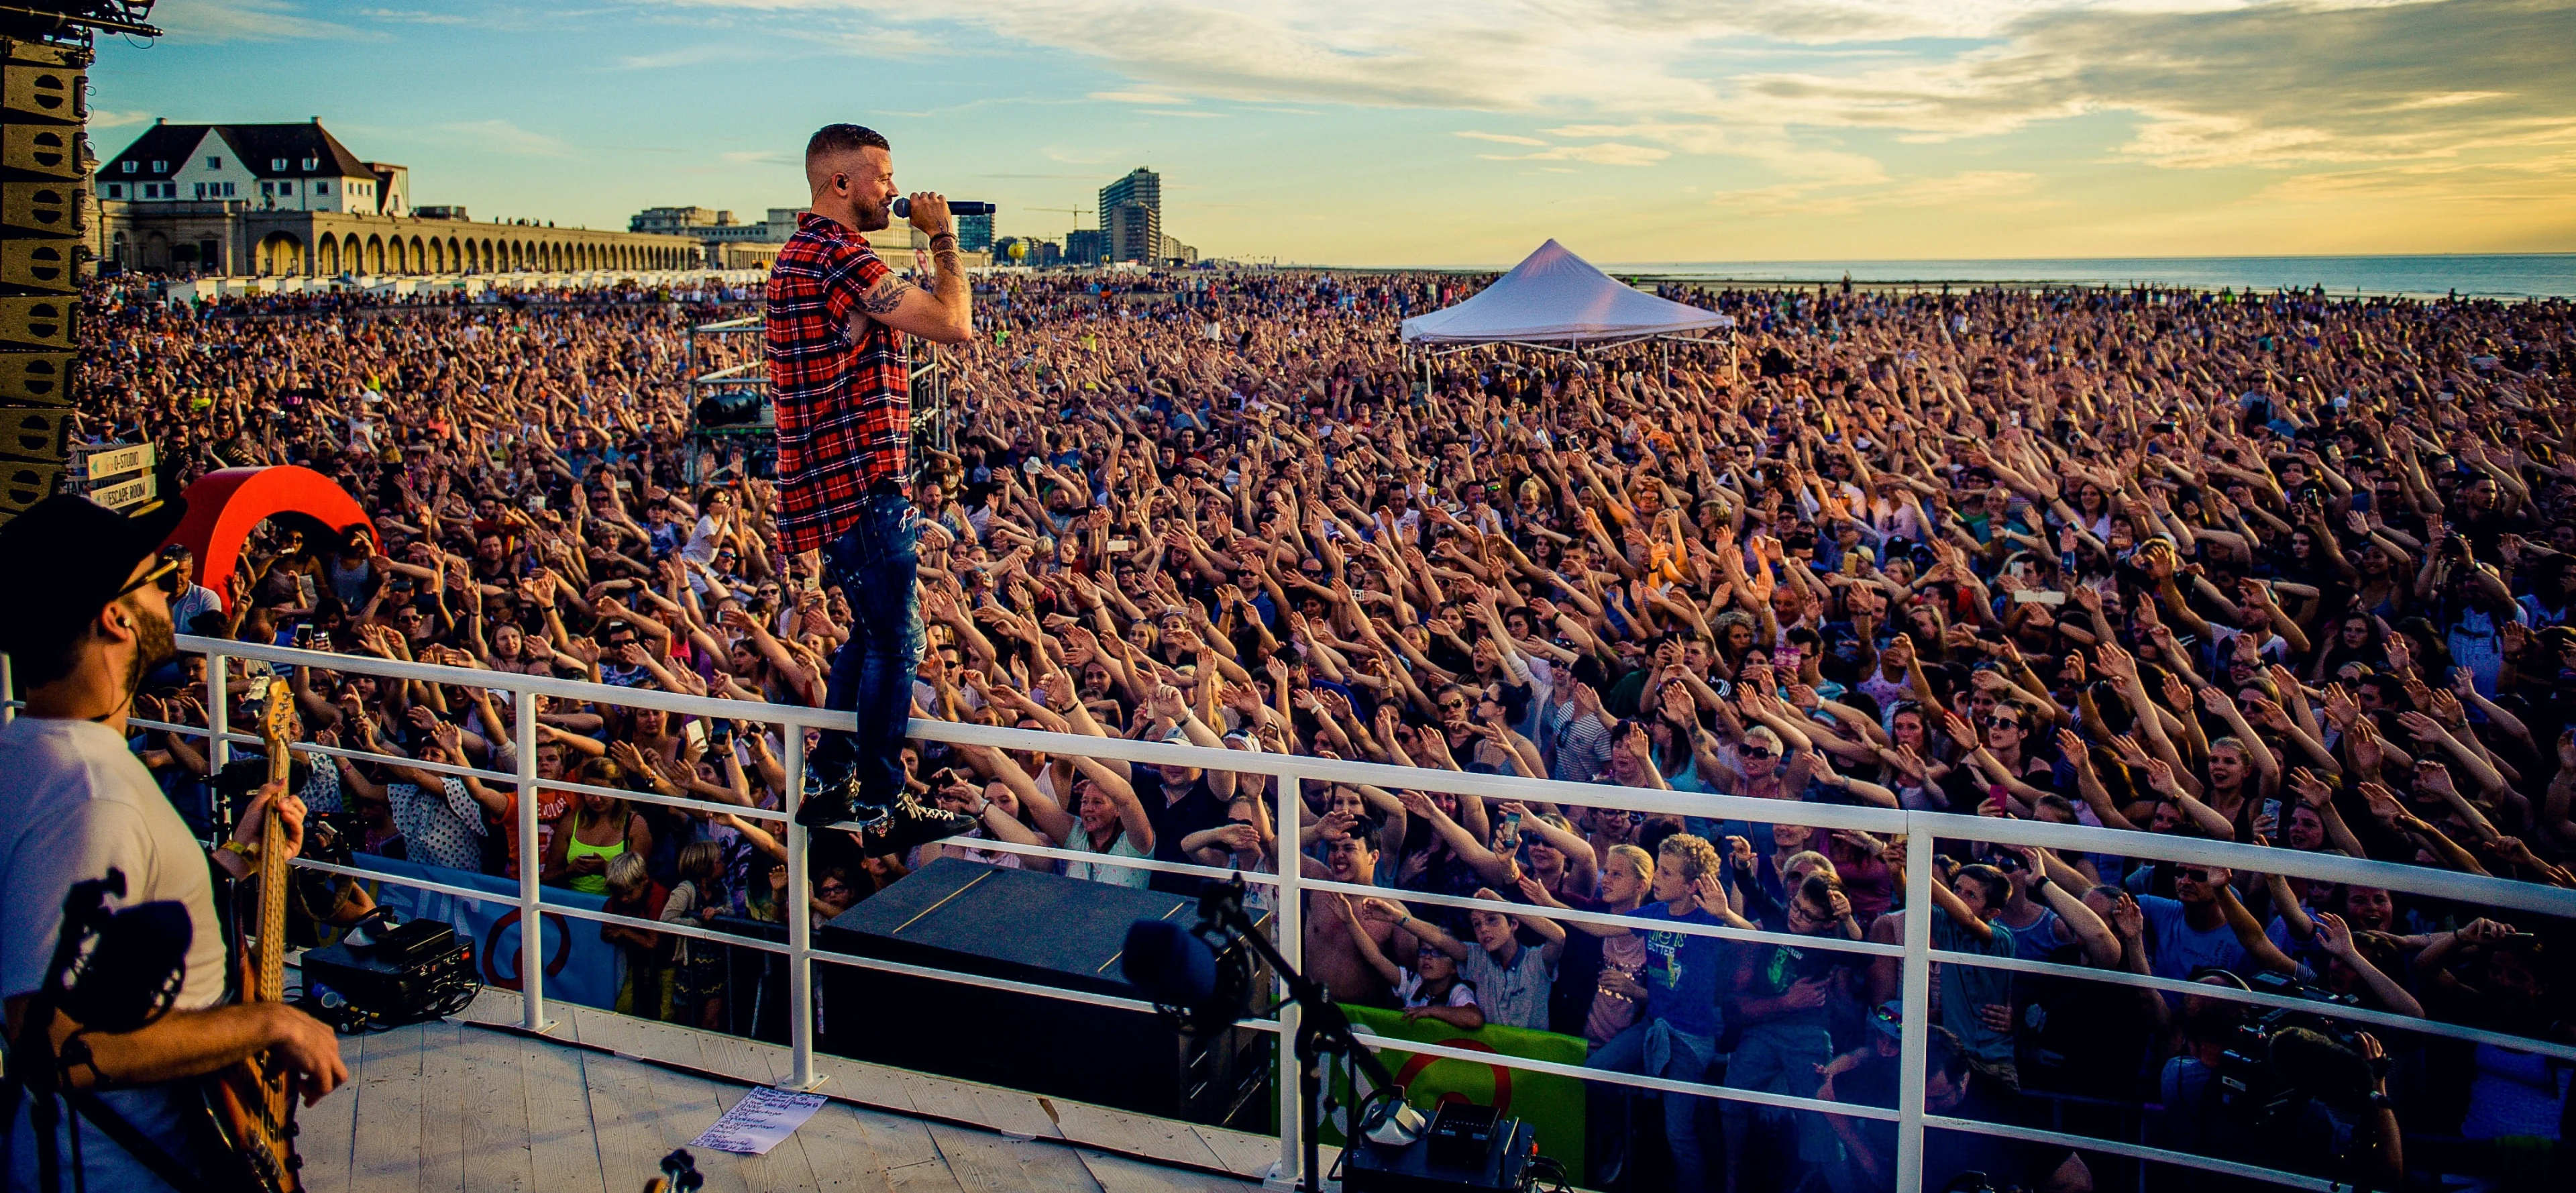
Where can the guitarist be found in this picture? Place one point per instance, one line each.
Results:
(84, 616)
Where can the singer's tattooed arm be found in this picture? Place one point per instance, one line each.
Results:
(941, 311)
(883, 298)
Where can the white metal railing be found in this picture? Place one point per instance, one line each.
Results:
(1918, 829)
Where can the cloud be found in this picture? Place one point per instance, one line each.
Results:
(2191, 84)
(502, 137)
(249, 20)
(1500, 138)
(1604, 153)
(405, 16)
(100, 118)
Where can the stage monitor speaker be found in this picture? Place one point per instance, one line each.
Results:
(40, 263)
(1041, 929)
(45, 93)
(24, 484)
(49, 208)
(41, 433)
(36, 378)
(52, 150)
(38, 322)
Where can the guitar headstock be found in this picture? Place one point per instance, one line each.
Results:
(277, 715)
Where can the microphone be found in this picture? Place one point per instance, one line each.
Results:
(903, 208)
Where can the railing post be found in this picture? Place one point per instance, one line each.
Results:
(532, 916)
(8, 691)
(219, 720)
(1916, 1040)
(800, 919)
(1288, 930)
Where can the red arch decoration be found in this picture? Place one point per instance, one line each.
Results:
(225, 506)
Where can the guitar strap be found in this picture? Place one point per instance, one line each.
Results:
(124, 1134)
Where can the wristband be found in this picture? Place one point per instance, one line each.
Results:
(2039, 882)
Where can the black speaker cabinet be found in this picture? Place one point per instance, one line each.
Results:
(40, 263)
(38, 322)
(1041, 929)
(52, 150)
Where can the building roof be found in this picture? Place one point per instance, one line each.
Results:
(258, 146)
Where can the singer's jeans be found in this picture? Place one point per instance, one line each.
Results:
(874, 563)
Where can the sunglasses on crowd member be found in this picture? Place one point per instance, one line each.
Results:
(1753, 751)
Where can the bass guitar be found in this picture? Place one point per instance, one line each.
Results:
(254, 1101)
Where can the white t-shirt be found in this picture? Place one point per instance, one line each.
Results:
(74, 802)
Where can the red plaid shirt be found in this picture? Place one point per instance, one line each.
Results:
(844, 406)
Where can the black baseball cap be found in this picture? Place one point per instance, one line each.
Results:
(84, 551)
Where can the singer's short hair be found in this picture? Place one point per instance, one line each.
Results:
(832, 140)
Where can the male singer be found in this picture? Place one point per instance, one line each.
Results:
(837, 377)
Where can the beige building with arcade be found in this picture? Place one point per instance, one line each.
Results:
(289, 200)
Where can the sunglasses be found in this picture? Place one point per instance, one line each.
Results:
(166, 570)
(1758, 752)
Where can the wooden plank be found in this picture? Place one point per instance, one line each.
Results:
(496, 1114)
(444, 1090)
(625, 1120)
(978, 1159)
(1050, 1166)
(688, 1105)
(329, 1134)
(1121, 1174)
(896, 1140)
(839, 1153)
(864, 1083)
(387, 1120)
(563, 1134)
(1136, 1134)
(1244, 1155)
(1015, 1114)
(936, 1098)
(737, 1058)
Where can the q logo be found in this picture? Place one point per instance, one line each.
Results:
(495, 955)
(1447, 1079)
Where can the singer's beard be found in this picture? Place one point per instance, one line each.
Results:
(153, 646)
(876, 219)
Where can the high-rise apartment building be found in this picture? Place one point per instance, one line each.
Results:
(1131, 217)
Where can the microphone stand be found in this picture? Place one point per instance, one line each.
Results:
(1322, 1029)
(33, 1067)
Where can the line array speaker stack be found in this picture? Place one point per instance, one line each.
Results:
(43, 168)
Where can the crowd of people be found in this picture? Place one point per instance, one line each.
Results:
(2276, 569)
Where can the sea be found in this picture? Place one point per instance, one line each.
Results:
(2483, 275)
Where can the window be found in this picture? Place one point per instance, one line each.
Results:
(277, 163)
(228, 190)
(214, 163)
(267, 188)
(311, 162)
(160, 167)
(131, 165)
(116, 190)
(321, 188)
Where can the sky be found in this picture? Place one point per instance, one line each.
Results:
(1456, 132)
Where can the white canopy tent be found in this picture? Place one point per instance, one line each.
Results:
(1556, 298)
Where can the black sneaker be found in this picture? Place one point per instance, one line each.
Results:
(830, 801)
(907, 822)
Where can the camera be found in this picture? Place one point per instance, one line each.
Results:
(2281, 1057)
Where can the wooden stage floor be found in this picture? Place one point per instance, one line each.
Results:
(593, 1107)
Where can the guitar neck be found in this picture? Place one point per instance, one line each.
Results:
(268, 949)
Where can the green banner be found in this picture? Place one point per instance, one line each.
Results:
(1551, 1105)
